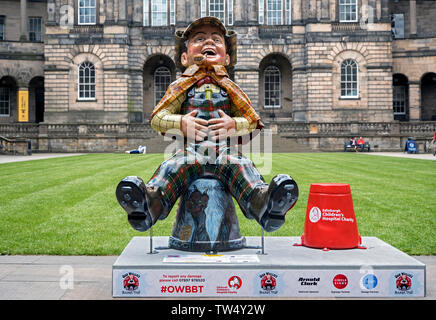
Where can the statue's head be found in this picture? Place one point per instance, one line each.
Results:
(206, 41)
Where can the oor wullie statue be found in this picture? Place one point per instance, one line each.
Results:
(207, 107)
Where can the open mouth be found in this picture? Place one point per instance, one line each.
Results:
(208, 52)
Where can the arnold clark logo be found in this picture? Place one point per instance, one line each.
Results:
(309, 284)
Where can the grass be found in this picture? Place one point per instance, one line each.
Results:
(67, 206)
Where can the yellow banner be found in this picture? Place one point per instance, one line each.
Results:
(23, 106)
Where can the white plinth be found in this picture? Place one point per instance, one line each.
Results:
(284, 271)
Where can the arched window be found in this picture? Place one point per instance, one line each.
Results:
(349, 79)
(162, 79)
(272, 87)
(86, 83)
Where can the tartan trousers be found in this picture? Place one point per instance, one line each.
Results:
(237, 173)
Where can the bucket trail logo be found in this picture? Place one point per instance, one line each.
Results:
(403, 283)
(268, 283)
(131, 282)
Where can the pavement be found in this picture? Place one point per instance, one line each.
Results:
(6, 158)
(421, 156)
(41, 277)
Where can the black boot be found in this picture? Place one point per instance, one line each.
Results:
(142, 203)
(269, 204)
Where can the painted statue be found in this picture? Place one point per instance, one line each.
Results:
(208, 109)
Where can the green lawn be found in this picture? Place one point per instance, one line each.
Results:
(67, 205)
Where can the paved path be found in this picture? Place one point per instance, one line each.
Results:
(46, 277)
(422, 156)
(35, 156)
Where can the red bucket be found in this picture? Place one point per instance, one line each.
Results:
(330, 220)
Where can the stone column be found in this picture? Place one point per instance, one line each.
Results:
(109, 12)
(181, 20)
(51, 12)
(252, 12)
(412, 16)
(414, 100)
(238, 8)
(138, 10)
(122, 12)
(325, 10)
(23, 20)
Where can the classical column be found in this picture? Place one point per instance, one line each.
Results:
(23, 20)
(122, 12)
(109, 12)
(137, 12)
(181, 20)
(237, 12)
(252, 11)
(412, 16)
(51, 10)
(414, 100)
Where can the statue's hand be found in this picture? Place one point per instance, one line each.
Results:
(223, 127)
(194, 128)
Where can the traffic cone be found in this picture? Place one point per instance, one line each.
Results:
(330, 220)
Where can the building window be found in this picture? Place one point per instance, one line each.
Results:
(349, 79)
(162, 79)
(86, 82)
(274, 12)
(399, 100)
(87, 12)
(2, 27)
(221, 9)
(5, 102)
(35, 29)
(158, 13)
(348, 10)
(272, 87)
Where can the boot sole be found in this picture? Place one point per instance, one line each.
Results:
(131, 197)
(282, 199)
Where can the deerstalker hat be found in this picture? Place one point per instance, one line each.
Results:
(181, 36)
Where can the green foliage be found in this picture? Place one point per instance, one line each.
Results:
(67, 206)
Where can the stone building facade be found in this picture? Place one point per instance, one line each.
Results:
(318, 71)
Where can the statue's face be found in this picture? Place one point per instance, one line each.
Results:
(208, 41)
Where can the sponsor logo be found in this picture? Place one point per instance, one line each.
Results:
(329, 215)
(235, 282)
(340, 281)
(369, 281)
(314, 215)
(268, 283)
(131, 283)
(308, 281)
(403, 283)
(308, 285)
